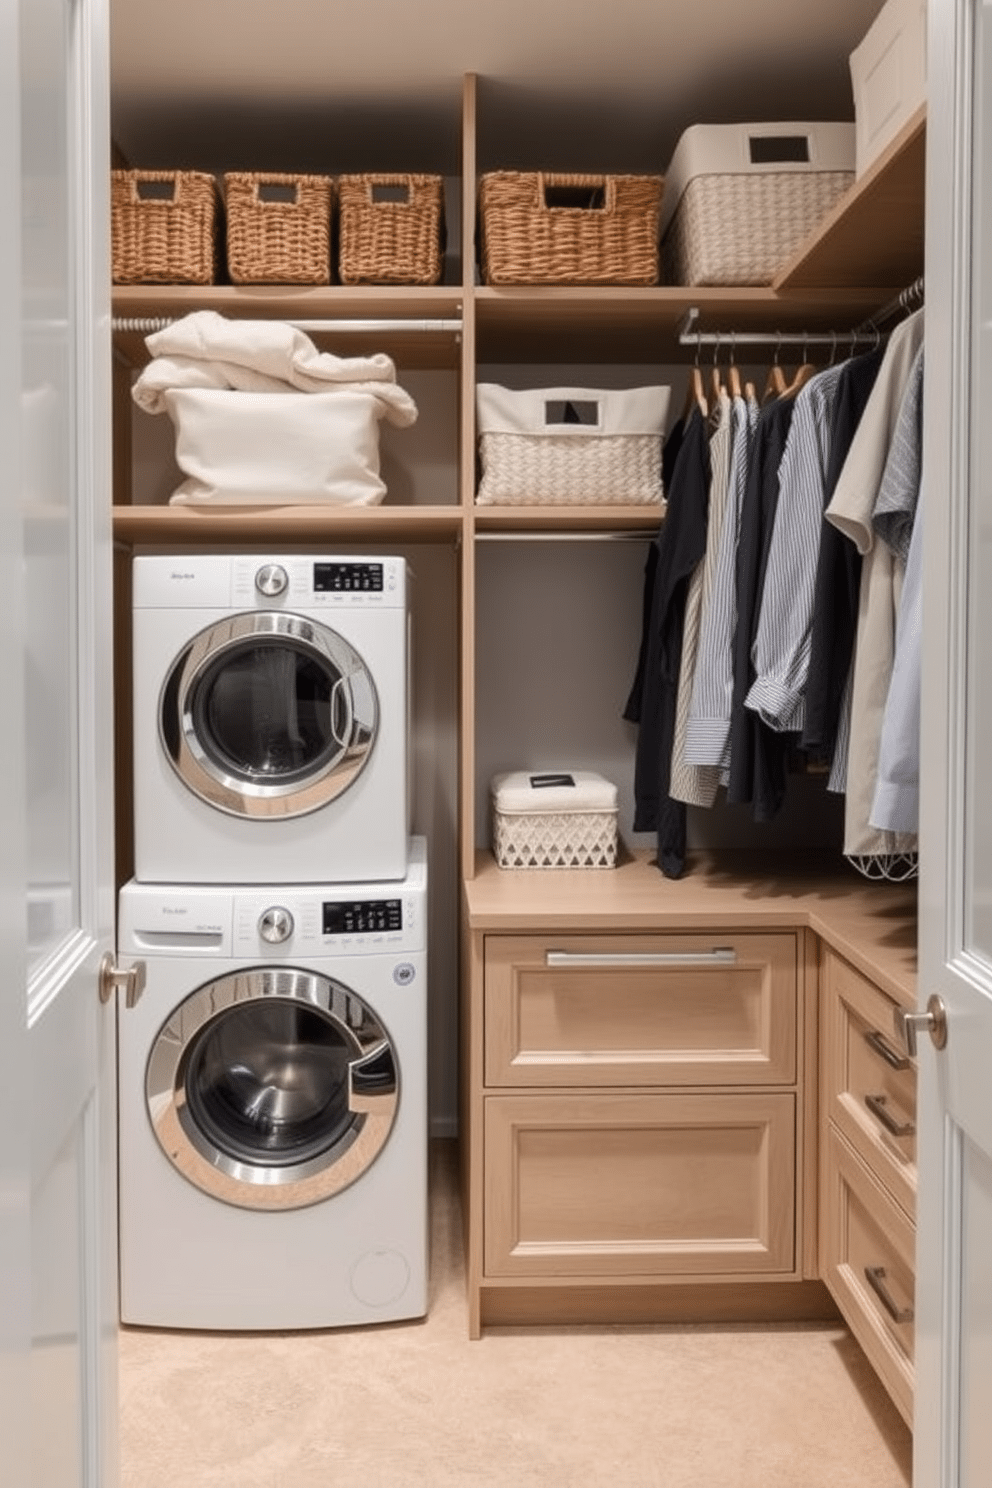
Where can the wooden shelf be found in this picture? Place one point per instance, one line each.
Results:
(875, 234)
(185, 526)
(642, 325)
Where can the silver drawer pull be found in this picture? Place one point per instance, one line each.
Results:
(879, 1107)
(875, 1276)
(720, 957)
(894, 1058)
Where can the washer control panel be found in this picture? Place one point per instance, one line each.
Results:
(320, 922)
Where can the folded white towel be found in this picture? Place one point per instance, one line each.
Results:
(208, 350)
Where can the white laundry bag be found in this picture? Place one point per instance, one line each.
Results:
(236, 448)
(262, 416)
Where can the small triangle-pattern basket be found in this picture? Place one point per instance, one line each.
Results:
(556, 840)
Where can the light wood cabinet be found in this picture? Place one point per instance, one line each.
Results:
(868, 1172)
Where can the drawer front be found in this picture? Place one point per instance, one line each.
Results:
(637, 1010)
(870, 1083)
(867, 1260)
(650, 1185)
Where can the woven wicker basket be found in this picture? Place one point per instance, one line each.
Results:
(739, 229)
(569, 229)
(163, 227)
(278, 228)
(391, 229)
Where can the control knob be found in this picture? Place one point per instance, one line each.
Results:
(271, 579)
(275, 925)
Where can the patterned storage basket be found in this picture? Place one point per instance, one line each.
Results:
(539, 228)
(278, 228)
(163, 227)
(570, 446)
(741, 199)
(554, 820)
(391, 229)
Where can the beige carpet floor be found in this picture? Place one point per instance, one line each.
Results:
(417, 1405)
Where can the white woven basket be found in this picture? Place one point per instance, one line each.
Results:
(538, 823)
(565, 446)
(735, 229)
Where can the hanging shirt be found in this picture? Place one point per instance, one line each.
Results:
(782, 640)
(697, 785)
(708, 723)
(851, 511)
(896, 807)
(681, 544)
(756, 772)
(838, 574)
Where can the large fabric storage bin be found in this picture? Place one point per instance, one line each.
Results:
(242, 448)
(569, 445)
(740, 199)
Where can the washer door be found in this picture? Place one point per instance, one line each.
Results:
(272, 1088)
(268, 714)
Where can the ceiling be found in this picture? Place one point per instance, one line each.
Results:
(323, 85)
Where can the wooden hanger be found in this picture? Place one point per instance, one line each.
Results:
(775, 383)
(695, 393)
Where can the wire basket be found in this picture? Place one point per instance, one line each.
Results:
(391, 229)
(163, 227)
(539, 228)
(278, 228)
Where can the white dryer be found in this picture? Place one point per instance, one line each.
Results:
(270, 718)
(273, 1105)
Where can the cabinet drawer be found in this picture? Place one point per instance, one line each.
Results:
(601, 1185)
(869, 1082)
(636, 1010)
(868, 1261)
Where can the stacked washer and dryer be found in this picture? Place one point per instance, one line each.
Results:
(273, 1074)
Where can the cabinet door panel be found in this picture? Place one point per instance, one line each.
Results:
(868, 1264)
(659, 1009)
(680, 1184)
(870, 1084)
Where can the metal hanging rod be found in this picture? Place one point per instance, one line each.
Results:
(144, 325)
(868, 331)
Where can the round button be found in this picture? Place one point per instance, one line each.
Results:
(275, 926)
(271, 579)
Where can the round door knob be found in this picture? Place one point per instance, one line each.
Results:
(275, 926)
(271, 579)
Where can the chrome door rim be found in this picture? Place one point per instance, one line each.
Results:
(237, 795)
(272, 1185)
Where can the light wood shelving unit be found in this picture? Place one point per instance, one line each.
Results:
(865, 253)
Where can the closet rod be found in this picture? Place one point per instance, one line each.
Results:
(733, 339)
(147, 324)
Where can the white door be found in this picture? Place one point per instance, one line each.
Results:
(58, 901)
(953, 1407)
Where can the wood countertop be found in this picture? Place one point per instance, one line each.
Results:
(872, 925)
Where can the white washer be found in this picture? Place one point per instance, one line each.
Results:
(270, 718)
(273, 1105)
